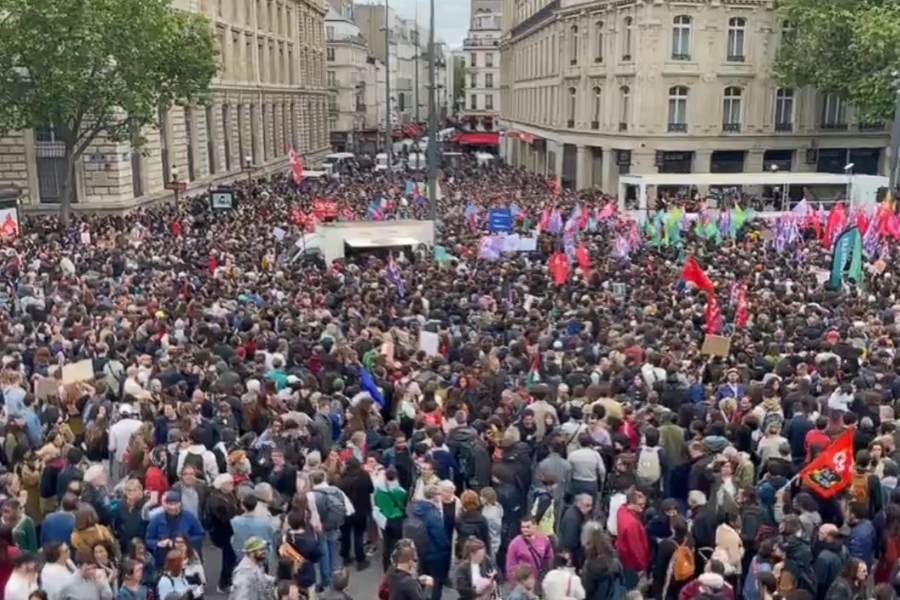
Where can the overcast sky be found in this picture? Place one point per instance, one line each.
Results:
(451, 17)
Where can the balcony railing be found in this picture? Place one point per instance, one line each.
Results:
(738, 58)
(623, 126)
(784, 127)
(834, 126)
(731, 127)
(570, 124)
(677, 127)
(480, 43)
(595, 124)
(871, 126)
(681, 56)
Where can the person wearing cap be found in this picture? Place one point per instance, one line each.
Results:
(166, 525)
(250, 580)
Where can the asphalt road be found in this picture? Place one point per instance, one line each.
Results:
(363, 584)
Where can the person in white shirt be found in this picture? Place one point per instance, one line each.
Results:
(562, 582)
(58, 568)
(24, 578)
(119, 436)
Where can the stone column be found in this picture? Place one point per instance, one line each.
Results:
(583, 175)
(609, 172)
(558, 161)
(702, 160)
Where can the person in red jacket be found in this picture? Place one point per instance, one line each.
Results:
(155, 480)
(632, 542)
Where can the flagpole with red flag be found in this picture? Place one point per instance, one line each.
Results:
(832, 471)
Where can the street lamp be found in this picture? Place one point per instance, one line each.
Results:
(249, 169)
(174, 184)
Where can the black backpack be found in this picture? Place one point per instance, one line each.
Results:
(414, 529)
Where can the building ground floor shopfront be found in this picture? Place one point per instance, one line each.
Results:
(583, 160)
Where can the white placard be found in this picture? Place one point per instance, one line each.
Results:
(429, 342)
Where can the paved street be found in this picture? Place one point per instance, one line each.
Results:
(363, 586)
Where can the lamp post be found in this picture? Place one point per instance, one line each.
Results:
(431, 157)
(249, 168)
(174, 184)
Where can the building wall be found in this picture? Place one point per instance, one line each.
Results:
(273, 65)
(600, 88)
(347, 75)
(481, 105)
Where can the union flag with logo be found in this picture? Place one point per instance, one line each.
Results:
(832, 471)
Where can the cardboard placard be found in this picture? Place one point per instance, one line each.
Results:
(46, 387)
(429, 342)
(716, 345)
(83, 370)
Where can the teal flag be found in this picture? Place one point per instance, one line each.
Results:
(856, 261)
(441, 255)
(844, 248)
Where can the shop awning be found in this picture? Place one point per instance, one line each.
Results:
(477, 138)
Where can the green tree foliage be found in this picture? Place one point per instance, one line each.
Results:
(845, 47)
(92, 67)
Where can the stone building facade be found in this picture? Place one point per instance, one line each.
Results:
(481, 107)
(270, 93)
(594, 89)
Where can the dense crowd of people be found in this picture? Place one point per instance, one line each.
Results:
(568, 439)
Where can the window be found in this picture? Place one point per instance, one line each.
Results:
(489, 102)
(329, 53)
(489, 59)
(598, 108)
(189, 142)
(834, 112)
(331, 78)
(678, 98)
(784, 109)
(226, 130)
(47, 135)
(265, 132)
(473, 81)
(573, 105)
(473, 60)
(681, 38)
(736, 27)
(473, 102)
(211, 139)
(598, 42)
(731, 110)
(628, 39)
(489, 80)
(573, 45)
(624, 107)
(787, 31)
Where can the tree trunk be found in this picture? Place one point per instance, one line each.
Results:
(69, 187)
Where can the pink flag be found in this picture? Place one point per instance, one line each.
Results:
(296, 165)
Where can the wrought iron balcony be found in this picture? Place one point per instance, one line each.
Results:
(595, 125)
(623, 126)
(786, 127)
(677, 56)
(834, 126)
(736, 58)
(677, 127)
(731, 127)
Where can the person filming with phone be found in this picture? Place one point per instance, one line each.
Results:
(476, 575)
(403, 583)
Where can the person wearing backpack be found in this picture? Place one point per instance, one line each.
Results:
(673, 565)
(332, 509)
(652, 464)
(425, 527)
(196, 455)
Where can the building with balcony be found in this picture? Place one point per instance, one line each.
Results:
(352, 70)
(269, 95)
(596, 89)
(481, 47)
(405, 52)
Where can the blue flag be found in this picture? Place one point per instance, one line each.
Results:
(368, 384)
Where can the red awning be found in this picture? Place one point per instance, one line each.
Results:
(477, 138)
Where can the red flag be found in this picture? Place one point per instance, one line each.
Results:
(559, 268)
(545, 219)
(713, 315)
(584, 218)
(584, 259)
(832, 470)
(837, 218)
(743, 314)
(862, 221)
(692, 273)
(296, 165)
(554, 186)
(325, 209)
(608, 211)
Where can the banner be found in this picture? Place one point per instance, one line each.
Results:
(831, 471)
(844, 247)
(500, 220)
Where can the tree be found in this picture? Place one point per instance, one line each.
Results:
(99, 67)
(459, 83)
(844, 47)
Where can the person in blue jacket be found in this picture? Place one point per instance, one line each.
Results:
(435, 561)
(166, 525)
